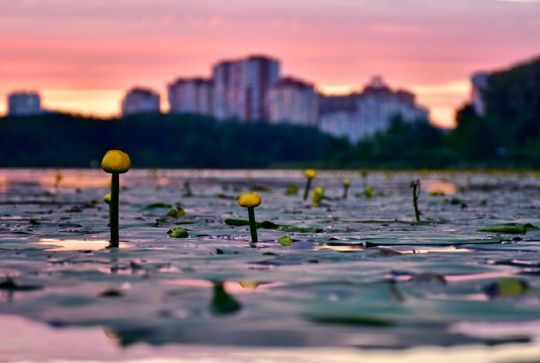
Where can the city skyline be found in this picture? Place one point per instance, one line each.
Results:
(82, 57)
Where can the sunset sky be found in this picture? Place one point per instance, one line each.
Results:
(83, 55)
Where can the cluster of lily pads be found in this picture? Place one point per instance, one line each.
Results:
(355, 265)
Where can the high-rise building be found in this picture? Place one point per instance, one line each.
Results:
(241, 87)
(190, 95)
(24, 104)
(140, 100)
(364, 114)
(293, 101)
(479, 82)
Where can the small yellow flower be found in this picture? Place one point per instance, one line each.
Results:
(346, 182)
(250, 200)
(115, 161)
(107, 198)
(310, 173)
(318, 195)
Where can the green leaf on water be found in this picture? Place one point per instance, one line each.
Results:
(507, 287)
(509, 228)
(176, 212)
(243, 222)
(10, 284)
(178, 233)
(158, 205)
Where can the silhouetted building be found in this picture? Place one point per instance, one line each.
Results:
(241, 87)
(140, 100)
(360, 115)
(24, 104)
(479, 82)
(293, 101)
(190, 95)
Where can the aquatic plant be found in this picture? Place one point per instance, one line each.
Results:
(346, 185)
(291, 190)
(250, 201)
(310, 175)
(115, 162)
(368, 191)
(178, 233)
(317, 196)
(285, 241)
(415, 186)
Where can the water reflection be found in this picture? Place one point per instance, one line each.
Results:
(76, 245)
(439, 187)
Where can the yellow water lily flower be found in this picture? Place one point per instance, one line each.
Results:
(115, 161)
(310, 173)
(250, 200)
(107, 198)
(346, 182)
(318, 195)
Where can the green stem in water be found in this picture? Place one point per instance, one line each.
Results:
(252, 225)
(415, 185)
(345, 191)
(306, 191)
(113, 211)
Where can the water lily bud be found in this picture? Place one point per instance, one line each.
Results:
(318, 194)
(368, 191)
(115, 161)
(310, 173)
(107, 198)
(250, 200)
(346, 182)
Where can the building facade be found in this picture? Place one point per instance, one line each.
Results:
(24, 104)
(140, 100)
(190, 95)
(293, 101)
(362, 115)
(479, 82)
(240, 87)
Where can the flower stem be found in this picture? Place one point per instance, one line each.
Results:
(306, 191)
(113, 212)
(252, 226)
(345, 191)
(415, 185)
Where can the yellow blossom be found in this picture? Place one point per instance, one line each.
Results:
(115, 161)
(250, 200)
(310, 173)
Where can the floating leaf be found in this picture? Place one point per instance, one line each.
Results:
(178, 233)
(158, 205)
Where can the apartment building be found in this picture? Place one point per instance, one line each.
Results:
(190, 95)
(240, 87)
(293, 101)
(24, 104)
(140, 100)
(364, 114)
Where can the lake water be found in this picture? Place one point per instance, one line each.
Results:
(361, 279)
